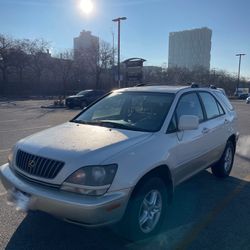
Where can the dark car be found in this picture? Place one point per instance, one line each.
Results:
(83, 98)
(243, 96)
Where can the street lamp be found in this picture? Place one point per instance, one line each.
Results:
(238, 82)
(118, 20)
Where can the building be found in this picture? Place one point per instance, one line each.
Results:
(85, 43)
(190, 48)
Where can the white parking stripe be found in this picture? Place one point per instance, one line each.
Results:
(2, 194)
(24, 129)
(5, 150)
(9, 121)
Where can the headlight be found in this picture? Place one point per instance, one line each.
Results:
(91, 180)
(10, 156)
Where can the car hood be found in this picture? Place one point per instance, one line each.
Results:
(79, 145)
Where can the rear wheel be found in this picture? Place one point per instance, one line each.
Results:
(146, 210)
(224, 166)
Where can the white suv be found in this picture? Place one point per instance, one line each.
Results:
(121, 158)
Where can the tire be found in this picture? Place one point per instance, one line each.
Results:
(146, 210)
(224, 166)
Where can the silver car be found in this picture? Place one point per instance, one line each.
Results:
(121, 158)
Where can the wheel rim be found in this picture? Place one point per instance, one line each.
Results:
(150, 211)
(228, 159)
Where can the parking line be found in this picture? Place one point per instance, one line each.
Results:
(9, 121)
(196, 230)
(5, 150)
(2, 194)
(24, 129)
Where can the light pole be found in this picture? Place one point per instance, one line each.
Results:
(238, 82)
(118, 20)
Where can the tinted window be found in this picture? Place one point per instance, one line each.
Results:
(210, 104)
(189, 104)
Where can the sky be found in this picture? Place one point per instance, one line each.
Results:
(145, 32)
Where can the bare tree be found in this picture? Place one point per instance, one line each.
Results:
(38, 51)
(6, 44)
(19, 57)
(64, 69)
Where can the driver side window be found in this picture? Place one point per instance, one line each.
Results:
(189, 104)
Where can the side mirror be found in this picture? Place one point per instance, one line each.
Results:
(188, 122)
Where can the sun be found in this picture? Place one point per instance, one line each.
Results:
(86, 6)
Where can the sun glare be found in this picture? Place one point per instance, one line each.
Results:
(86, 6)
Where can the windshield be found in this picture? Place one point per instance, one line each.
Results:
(129, 110)
(83, 92)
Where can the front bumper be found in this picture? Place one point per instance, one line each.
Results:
(74, 208)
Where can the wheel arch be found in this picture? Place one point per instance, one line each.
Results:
(160, 171)
(233, 139)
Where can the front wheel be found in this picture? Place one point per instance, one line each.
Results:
(146, 210)
(224, 166)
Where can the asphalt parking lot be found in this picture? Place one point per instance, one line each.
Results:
(207, 213)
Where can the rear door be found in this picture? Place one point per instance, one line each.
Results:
(214, 128)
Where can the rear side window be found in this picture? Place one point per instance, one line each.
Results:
(224, 99)
(212, 107)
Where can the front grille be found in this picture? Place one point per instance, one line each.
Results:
(37, 165)
(33, 181)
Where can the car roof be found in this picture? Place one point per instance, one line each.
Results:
(154, 88)
(166, 89)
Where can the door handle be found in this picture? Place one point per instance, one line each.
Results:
(205, 130)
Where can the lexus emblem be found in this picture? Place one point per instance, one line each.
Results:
(31, 164)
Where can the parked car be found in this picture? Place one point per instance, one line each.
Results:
(248, 99)
(243, 96)
(83, 98)
(122, 157)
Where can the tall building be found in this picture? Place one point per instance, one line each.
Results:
(85, 43)
(190, 48)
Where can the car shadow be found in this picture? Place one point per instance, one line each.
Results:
(193, 200)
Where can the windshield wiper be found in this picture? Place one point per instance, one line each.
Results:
(110, 124)
(80, 122)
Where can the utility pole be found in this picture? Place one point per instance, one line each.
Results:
(118, 20)
(238, 82)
